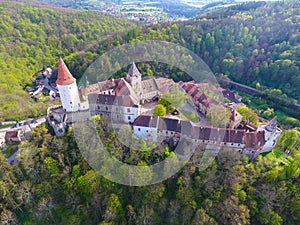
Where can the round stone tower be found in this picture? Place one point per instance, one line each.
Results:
(67, 88)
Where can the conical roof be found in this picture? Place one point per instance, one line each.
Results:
(272, 124)
(64, 76)
(133, 71)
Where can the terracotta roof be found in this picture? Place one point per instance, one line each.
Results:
(251, 140)
(194, 88)
(64, 76)
(218, 134)
(165, 85)
(102, 86)
(146, 121)
(234, 136)
(149, 85)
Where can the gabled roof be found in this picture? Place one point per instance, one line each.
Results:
(102, 86)
(146, 121)
(169, 124)
(165, 85)
(149, 85)
(124, 88)
(102, 99)
(64, 76)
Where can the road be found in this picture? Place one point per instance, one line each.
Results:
(39, 121)
(13, 158)
(27, 130)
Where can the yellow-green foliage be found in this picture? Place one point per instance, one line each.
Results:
(33, 37)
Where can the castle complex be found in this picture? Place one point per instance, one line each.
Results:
(130, 100)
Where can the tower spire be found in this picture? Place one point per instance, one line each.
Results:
(64, 76)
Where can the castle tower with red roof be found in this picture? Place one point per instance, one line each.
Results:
(67, 88)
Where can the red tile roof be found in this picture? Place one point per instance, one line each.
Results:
(64, 76)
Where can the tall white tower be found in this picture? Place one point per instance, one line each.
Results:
(67, 88)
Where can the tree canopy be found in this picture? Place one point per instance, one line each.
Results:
(248, 114)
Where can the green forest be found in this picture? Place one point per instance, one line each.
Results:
(257, 44)
(53, 184)
(33, 38)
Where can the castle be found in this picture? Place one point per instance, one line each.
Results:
(125, 101)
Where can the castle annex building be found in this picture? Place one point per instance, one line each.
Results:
(130, 100)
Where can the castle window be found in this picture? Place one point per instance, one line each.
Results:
(129, 117)
(139, 129)
(98, 106)
(106, 108)
(117, 109)
(71, 103)
(128, 110)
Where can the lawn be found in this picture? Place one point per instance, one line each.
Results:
(189, 116)
(6, 125)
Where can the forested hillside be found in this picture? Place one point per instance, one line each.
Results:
(53, 184)
(256, 44)
(253, 43)
(32, 37)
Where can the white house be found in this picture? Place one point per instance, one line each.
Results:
(116, 108)
(272, 133)
(145, 127)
